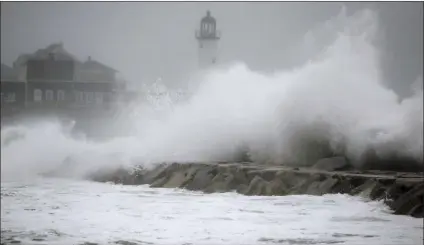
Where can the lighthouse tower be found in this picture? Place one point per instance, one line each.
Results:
(207, 38)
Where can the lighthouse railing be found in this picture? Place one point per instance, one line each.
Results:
(215, 35)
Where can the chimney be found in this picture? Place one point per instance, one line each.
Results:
(89, 58)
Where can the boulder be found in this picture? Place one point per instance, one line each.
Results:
(410, 202)
(332, 164)
(159, 182)
(202, 178)
(343, 185)
(157, 172)
(290, 178)
(259, 186)
(321, 187)
(180, 178)
(277, 188)
(222, 182)
(365, 189)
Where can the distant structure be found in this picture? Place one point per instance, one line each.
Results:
(12, 92)
(207, 37)
(52, 79)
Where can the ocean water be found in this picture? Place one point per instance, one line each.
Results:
(59, 211)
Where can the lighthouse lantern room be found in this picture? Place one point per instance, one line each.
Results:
(207, 38)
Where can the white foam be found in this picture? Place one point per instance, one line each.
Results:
(74, 212)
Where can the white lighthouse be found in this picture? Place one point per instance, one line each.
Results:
(207, 38)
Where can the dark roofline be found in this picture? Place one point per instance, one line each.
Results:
(6, 66)
(35, 55)
(99, 64)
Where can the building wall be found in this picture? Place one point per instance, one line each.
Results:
(69, 94)
(50, 92)
(55, 85)
(12, 93)
(21, 72)
(12, 97)
(48, 69)
(86, 75)
(93, 94)
(208, 53)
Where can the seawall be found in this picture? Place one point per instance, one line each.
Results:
(402, 192)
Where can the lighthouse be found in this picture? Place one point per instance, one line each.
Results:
(207, 37)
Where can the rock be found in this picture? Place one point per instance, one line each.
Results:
(240, 175)
(410, 201)
(342, 186)
(332, 164)
(417, 211)
(222, 182)
(202, 178)
(378, 192)
(267, 175)
(180, 178)
(158, 175)
(307, 182)
(138, 177)
(403, 193)
(321, 187)
(159, 182)
(257, 186)
(277, 188)
(365, 189)
(291, 178)
(242, 189)
(394, 191)
(356, 181)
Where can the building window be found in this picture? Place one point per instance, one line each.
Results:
(49, 95)
(38, 95)
(60, 95)
(99, 98)
(89, 97)
(79, 97)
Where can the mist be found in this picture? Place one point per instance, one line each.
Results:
(145, 41)
(332, 98)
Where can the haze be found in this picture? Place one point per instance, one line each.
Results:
(148, 40)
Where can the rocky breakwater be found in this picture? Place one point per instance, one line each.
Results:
(403, 192)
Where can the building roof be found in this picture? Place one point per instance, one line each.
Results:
(60, 53)
(7, 73)
(56, 49)
(91, 64)
(208, 18)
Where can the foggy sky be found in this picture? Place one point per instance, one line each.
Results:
(148, 40)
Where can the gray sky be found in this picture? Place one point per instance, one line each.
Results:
(147, 40)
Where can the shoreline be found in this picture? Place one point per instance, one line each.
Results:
(403, 192)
